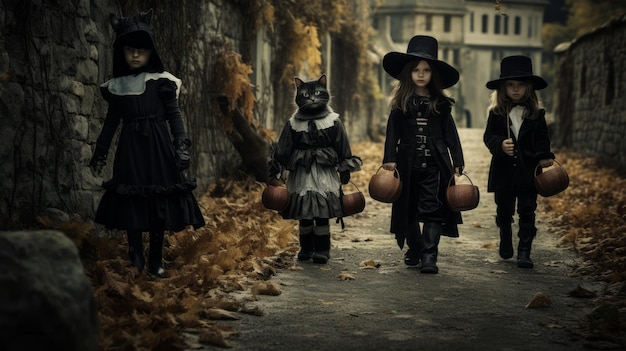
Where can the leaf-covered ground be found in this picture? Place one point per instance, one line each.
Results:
(216, 271)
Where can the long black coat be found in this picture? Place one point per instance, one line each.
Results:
(400, 145)
(516, 173)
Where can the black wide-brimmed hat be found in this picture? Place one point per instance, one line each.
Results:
(517, 67)
(421, 47)
(135, 31)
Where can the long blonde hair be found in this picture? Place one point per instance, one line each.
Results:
(402, 93)
(501, 104)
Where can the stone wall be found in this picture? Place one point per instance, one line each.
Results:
(53, 57)
(590, 109)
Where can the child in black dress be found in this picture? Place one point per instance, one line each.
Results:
(421, 137)
(148, 192)
(517, 137)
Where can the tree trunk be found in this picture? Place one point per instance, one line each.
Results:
(251, 146)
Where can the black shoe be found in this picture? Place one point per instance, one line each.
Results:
(506, 247)
(305, 256)
(523, 259)
(321, 257)
(429, 264)
(158, 272)
(411, 258)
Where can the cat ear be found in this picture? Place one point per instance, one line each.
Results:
(147, 16)
(322, 80)
(298, 82)
(114, 21)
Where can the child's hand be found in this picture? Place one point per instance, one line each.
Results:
(508, 146)
(546, 163)
(389, 166)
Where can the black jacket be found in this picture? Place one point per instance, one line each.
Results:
(444, 144)
(516, 173)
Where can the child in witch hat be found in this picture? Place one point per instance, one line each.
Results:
(517, 137)
(422, 142)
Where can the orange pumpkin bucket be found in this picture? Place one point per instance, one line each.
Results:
(462, 197)
(352, 203)
(385, 187)
(552, 181)
(275, 197)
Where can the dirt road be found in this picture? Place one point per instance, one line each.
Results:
(477, 301)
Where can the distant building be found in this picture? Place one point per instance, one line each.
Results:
(473, 37)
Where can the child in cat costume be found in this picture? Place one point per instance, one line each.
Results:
(148, 191)
(313, 147)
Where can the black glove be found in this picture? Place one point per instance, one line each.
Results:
(97, 162)
(273, 169)
(344, 176)
(181, 146)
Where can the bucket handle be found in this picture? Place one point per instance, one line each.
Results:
(539, 166)
(462, 174)
(351, 182)
(395, 172)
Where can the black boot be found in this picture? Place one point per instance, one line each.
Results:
(155, 253)
(430, 240)
(135, 249)
(414, 242)
(526, 235)
(321, 237)
(506, 239)
(307, 243)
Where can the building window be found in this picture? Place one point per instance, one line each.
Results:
(530, 27)
(446, 54)
(395, 27)
(447, 23)
(496, 24)
(518, 25)
(505, 25)
(485, 24)
(428, 25)
(471, 18)
(456, 57)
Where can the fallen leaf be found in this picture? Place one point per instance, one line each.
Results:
(266, 288)
(369, 264)
(579, 291)
(346, 276)
(218, 313)
(539, 300)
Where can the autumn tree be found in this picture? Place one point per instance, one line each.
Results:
(583, 16)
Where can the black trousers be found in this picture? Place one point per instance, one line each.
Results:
(526, 206)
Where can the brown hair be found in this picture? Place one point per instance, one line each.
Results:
(406, 88)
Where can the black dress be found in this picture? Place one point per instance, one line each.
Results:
(147, 191)
(313, 151)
